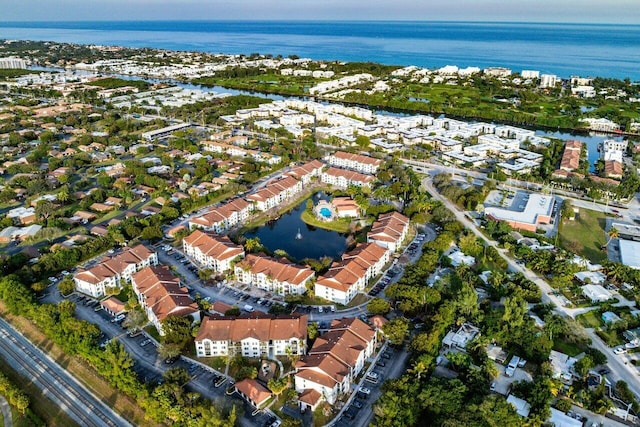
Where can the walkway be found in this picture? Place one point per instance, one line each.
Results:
(6, 412)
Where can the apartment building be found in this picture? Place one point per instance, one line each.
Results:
(279, 276)
(344, 178)
(161, 295)
(275, 193)
(334, 361)
(307, 171)
(112, 272)
(356, 162)
(389, 231)
(612, 150)
(571, 155)
(351, 274)
(211, 250)
(255, 335)
(224, 217)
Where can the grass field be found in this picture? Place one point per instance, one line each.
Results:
(590, 319)
(585, 235)
(339, 225)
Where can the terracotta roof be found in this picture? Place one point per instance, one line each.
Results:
(310, 396)
(611, 167)
(389, 227)
(571, 156)
(255, 391)
(113, 305)
(212, 245)
(280, 270)
(335, 352)
(115, 265)
(306, 169)
(220, 307)
(263, 328)
(222, 213)
(357, 158)
(274, 189)
(163, 293)
(349, 175)
(353, 267)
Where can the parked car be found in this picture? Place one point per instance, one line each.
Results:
(620, 350)
(145, 342)
(364, 390)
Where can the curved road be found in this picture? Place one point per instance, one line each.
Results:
(619, 365)
(54, 381)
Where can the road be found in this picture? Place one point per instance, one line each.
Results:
(619, 369)
(6, 412)
(54, 381)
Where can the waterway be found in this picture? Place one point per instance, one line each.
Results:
(315, 242)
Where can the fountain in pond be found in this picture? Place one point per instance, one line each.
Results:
(299, 235)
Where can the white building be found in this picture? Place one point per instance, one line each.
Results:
(252, 336)
(335, 360)
(280, 277)
(596, 293)
(212, 251)
(114, 271)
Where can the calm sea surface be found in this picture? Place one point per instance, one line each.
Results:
(562, 49)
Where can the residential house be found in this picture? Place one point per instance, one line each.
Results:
(596, 293)
(212, 251)
(254, 335)
(351, 274)
(334, 361)
(389, 231)
(280, 277)
(562, 366)
(112, 272)
(460, 338)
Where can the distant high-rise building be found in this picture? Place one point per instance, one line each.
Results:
(548, 80)
(12, 62)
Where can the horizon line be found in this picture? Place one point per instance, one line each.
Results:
(469, 21)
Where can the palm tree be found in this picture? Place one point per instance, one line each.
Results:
(613, 233)
(63, 194)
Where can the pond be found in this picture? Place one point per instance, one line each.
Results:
(311, 242)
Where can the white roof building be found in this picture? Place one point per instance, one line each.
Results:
(591, 277)
(521, 406)
(596, 293)
(629, 253)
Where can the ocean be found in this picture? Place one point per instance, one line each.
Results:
(562, 49)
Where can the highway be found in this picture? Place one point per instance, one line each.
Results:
(54, 381)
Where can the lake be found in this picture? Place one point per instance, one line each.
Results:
(315, 242)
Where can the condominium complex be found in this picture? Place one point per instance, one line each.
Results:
(94, 281)
(161, 295)
(334, 361)
(224, 217)
(279, 276)
(351, 274)
(211, 250)
(255, 335)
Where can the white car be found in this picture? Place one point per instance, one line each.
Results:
(620, 350)
(364, 390)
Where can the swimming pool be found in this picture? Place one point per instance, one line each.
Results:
(325, 212)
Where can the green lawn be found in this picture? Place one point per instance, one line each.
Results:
(590, 319)
(339, 225)
(585, 235)
(567, 348)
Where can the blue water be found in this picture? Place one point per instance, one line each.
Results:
(315, 243)
(325, 212)
(562, 49)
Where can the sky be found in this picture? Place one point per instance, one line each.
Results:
(574, 11)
